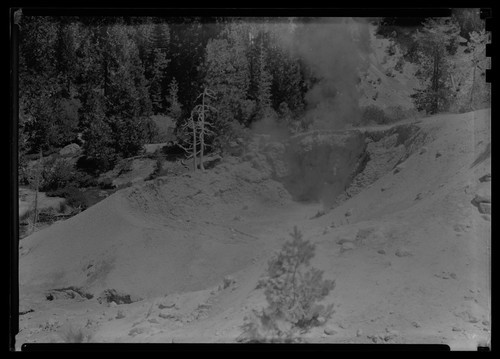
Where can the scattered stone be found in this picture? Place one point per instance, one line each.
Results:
(453, 275)
(403, 252)
(415, 324)
(485, 208)
(343, 240)
(485, 178)
(228, 281)
(134, 331)
(385, 187)
(343, 325)
(321, 320)
(237, 218)
(330, 331)
(168, 302)
(364, 233)
(467, 316)
(347, 246)
(112, 295)
(120, 314)
(399, 168)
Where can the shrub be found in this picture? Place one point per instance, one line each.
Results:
(106, 183)
(372, 114)
(56, 173)
(292, 295)
(74, 196)
(72, 335)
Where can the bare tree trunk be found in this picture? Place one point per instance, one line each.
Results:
(194, 145)
(472, 85)
(37, 185)
(202, 130)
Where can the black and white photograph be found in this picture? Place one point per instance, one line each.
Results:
(253, 179)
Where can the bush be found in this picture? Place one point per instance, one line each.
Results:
(106, 183)
(80, 335)
(372, 114)
(56, 173)
(74, 196)
(292, 294)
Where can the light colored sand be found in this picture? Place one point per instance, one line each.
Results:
(420, 274)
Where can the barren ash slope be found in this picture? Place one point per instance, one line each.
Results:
(178, 259)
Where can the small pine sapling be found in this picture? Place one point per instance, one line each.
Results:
(292, 292)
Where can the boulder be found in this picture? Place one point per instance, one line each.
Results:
(70, 150)
(483, 193)
(485, 208)
(403, 252)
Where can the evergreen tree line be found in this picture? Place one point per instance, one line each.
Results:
(98, 81)
(451, 58)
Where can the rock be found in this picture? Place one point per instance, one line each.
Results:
(381, 251)
(112, 304)
(329, 330)
(343, 325)
(403, 252)
(486, 217)
(364, 233)
(349, 212)
(418, 197)
(347, 246)
(345, 239)
(385, 187)
(120, 314)
(438, 154)
(456, 329)
(483, 193)
(423, 150)
(359, 332)
(485, 208)
(415, 324)
(485, 178)
(167, 303)
(70, 150)
(153, 321)
(399, 168)
(321, 320)
(228, 281)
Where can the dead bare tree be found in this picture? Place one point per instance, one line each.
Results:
(199, 128)
(37, 185)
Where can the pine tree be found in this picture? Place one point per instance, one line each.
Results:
(264, 82)
(292, 293)
(437, 41)
(228, 75)
(174, 107)
(479, 93)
